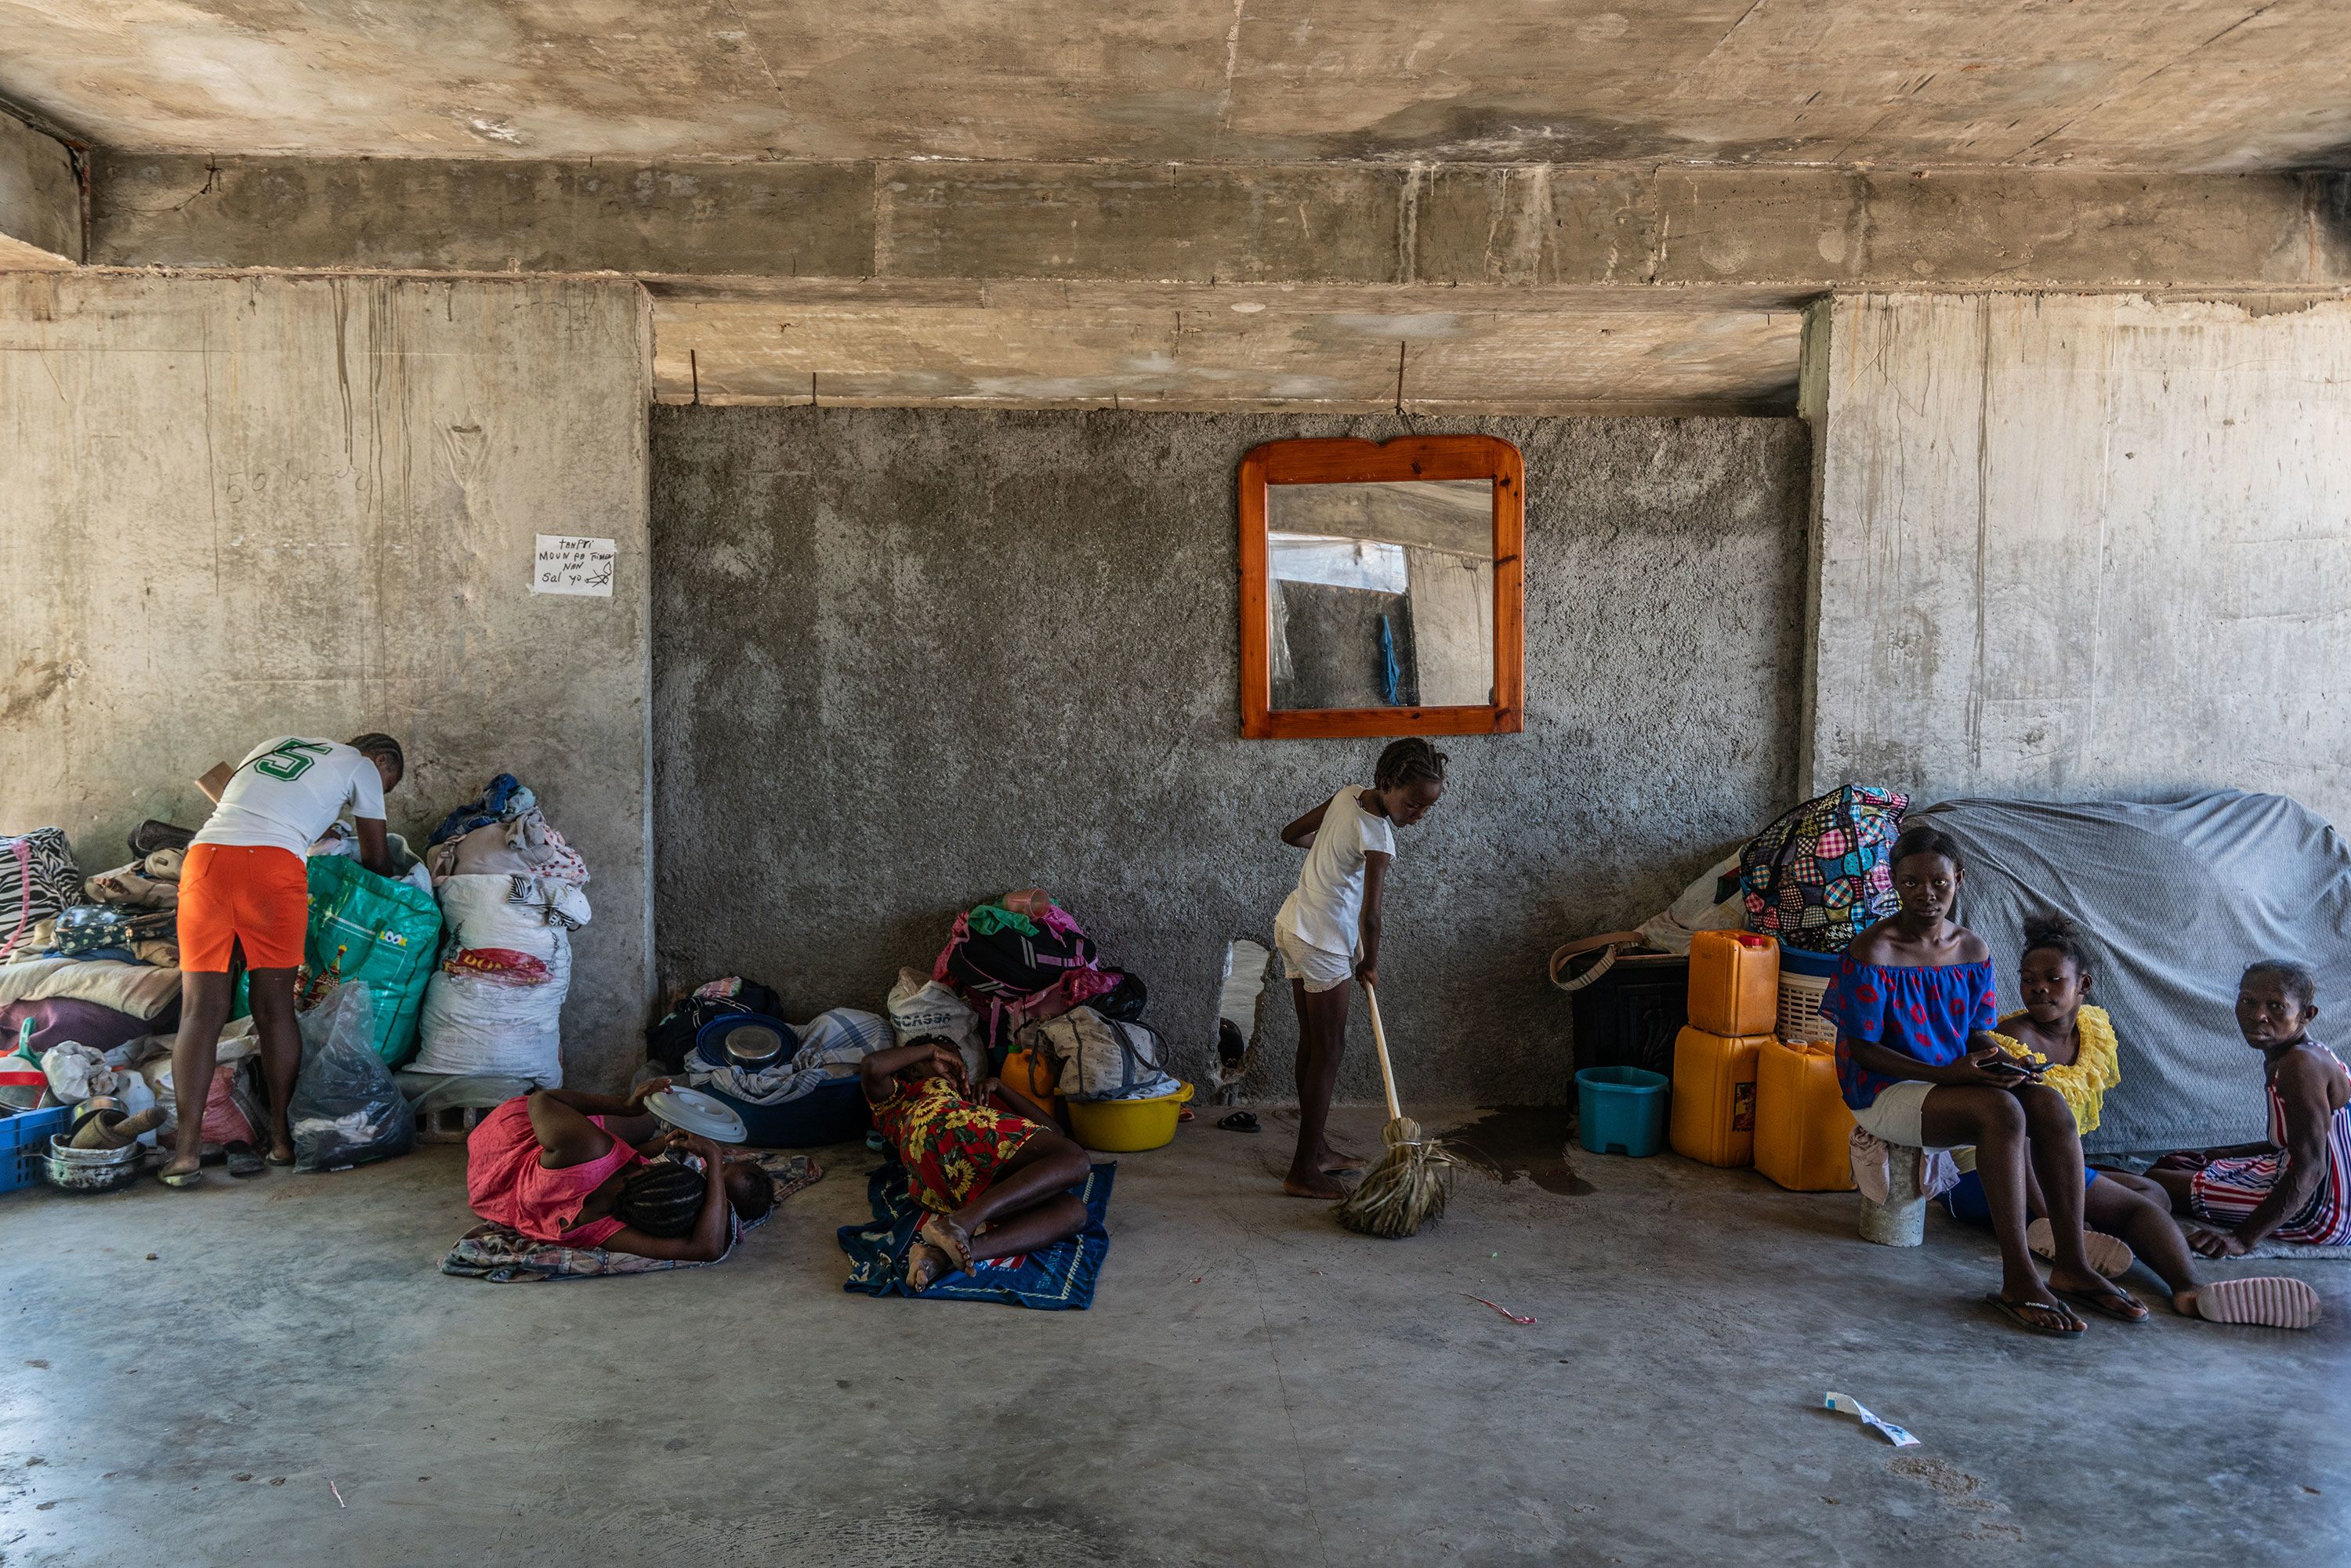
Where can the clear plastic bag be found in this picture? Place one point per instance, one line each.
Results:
(346, 1109)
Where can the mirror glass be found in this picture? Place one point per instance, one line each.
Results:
(1381, 595)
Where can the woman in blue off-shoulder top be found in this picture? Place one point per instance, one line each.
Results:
(1916, 1059)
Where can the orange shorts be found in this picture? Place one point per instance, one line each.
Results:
(256, 896)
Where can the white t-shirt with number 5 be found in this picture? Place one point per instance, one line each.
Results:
(289, 791)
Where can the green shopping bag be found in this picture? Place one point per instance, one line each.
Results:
(384, 935)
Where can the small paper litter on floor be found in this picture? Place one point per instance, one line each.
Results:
(1895, 1435)
(339, 1495)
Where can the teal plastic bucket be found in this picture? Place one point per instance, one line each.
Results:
(1621, 1110)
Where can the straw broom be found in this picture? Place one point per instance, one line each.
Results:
(1407, 1187)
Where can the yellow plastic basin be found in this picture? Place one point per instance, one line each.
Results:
(1127, 1126)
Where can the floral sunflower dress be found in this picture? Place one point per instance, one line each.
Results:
(952, 1147)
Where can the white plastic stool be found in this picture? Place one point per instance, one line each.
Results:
(1901, 1219)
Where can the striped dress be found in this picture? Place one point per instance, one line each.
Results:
(2226, 1190)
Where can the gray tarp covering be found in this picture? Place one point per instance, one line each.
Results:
(2175, 900)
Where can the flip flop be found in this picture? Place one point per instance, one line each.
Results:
(2015, 1312)
(1240, 1122)
(2270, 1301)
(278, 1160)
(181, 1179)
(937, 1230)
(2109, 1255)
(243, 1161)
(2113, 1302)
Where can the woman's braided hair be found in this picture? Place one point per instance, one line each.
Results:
(662, 1197)
(1408, 761)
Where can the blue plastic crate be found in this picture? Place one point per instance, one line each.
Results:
(24, 1142)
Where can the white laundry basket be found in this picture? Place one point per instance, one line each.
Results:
(1803, 980)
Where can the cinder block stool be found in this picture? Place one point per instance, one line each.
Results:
(1901, 1219)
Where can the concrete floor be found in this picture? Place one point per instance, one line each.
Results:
(1253, 1386)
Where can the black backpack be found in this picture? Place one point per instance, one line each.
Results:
(1007, 966)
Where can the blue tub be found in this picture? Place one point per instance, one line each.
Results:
(834, 1113)
(1621, 1110)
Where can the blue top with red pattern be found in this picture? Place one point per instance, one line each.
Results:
(1926, 1011)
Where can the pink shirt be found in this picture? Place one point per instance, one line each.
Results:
(505, 1183)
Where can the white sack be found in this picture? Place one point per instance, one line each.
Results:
(488, 1008)
(919, 1005)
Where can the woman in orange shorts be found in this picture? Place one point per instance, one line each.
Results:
(245, 902)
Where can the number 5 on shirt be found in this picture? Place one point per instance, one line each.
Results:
(289, 760)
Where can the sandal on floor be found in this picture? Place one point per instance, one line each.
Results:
(2014, 1311)
(937, 1230)
(2270, 1301)
(1239, 1121)
(181, 1179)
(275, 1159)
(2109, 1255)
(243, 1161)
(2113, 1302)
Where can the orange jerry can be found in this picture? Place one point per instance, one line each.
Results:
(1734, 982)
(1802, 1130)
(1712, 1119)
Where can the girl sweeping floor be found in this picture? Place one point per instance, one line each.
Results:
(1328, 934)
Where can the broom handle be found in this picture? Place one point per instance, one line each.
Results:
(1380, 1043)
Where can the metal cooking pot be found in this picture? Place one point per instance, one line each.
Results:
(69, 1169)
(753, 1048)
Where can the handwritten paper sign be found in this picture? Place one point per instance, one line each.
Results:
(568, 563)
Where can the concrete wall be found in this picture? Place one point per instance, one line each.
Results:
(241, 506)
(40, 199)
(904, 660)
(2080, 547)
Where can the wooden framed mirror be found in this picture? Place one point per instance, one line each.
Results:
(1382, 587)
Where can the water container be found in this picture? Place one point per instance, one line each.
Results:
(1734, 982)
(1802, 1131)
(1621, 1110)
(1803, 977)
(1713, 1116)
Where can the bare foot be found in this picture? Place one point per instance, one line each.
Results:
(1330, 1161)
(925, 1266)
(1315, 1185)
(951, 1238)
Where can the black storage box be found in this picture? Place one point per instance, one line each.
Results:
(1630, 1015)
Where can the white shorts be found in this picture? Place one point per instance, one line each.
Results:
(1320, 970)
(1895, 1116)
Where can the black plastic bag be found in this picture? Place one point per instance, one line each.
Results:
(1125, 1001)
(346, 1108)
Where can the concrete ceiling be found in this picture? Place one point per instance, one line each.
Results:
(1342, 350)
(2158, 85)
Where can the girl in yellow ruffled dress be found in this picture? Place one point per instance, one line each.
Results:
(2070, 1046)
